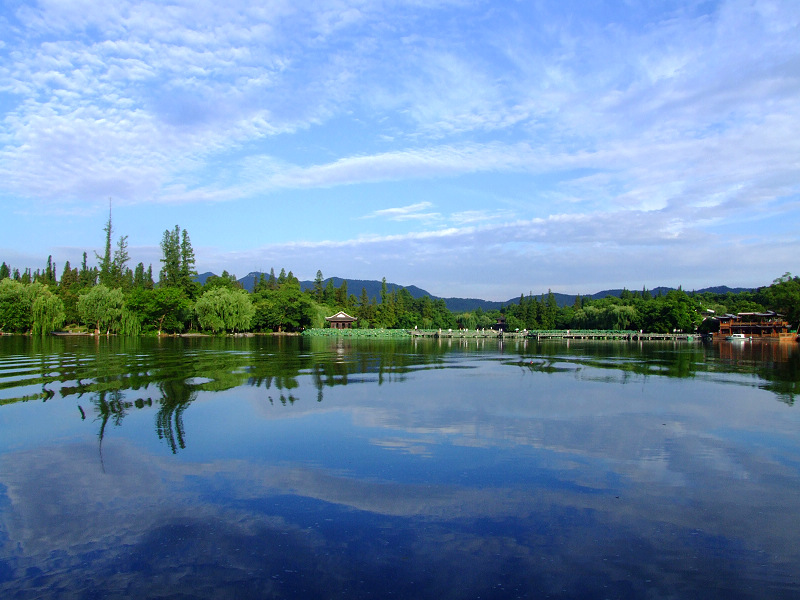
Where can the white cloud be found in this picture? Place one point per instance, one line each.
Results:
(528, 126)
(412, 212)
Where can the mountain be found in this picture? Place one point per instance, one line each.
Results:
(203, 277)
(470, 304)
(373, 288)
(354, 286)
(569, 299)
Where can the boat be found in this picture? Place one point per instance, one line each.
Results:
(737, 337)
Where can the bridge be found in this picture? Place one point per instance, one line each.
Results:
(554, 334)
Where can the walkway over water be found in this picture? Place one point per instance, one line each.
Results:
(560, 334)
(540, 334)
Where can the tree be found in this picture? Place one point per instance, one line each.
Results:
(5, 271)
(101, 307)
(48, 313)
(342, 297)
(329, 294)
(188, 274)
(68, 291)
(105, 260)
(260, 283)
(318, 289)
(120, 273)
(224, 309)
(30, 306)
(783, 296)
(170, 275)
(15, 311)
(384, 291)
(69, 277)
(161, 309)
(50, 272)
(86, 277)
(284, 309)
(143, 279)
(226, 280)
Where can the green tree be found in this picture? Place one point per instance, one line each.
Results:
(48, 313)
(783, 296)
(15, 310)
(143, 279)
(86, 277)
(18, 307)
(342, 297)
(284, 309)
(260, 283)
(224, 309)
(50, 272)
(69, 277)
(329, 294)
(226, 280)
(160, 309)
(105, 274)
(170, 275)
(101, 307)
(318, 290)
(188, 274)
(120, 273)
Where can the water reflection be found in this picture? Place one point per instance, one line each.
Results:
(419, 469)
(117, 375)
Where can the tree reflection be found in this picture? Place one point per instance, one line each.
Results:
(109, 406)
(177, 395)
(118, 375)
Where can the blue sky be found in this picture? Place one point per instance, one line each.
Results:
(479, 149)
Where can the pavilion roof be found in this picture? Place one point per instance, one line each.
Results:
(341, 316)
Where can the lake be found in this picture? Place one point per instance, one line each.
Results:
(286, 467)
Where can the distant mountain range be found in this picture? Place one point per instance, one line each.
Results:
(373, 288)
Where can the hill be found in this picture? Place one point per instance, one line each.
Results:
(373, 288)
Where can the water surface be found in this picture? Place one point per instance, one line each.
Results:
(295, 468)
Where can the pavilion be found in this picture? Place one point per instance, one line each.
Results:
(341, 320)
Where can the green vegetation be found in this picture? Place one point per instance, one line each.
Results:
(112, 298)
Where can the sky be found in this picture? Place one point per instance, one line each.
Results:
(476, 149)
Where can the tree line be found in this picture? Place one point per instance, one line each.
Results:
(113, 298)
(674, 311)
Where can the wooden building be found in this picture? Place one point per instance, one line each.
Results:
(768, 325)
(341, 320)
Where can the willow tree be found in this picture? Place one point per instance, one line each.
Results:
(101, 307)
(225, 309)
(15, 314)
(48, 314)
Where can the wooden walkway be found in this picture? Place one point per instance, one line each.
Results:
(567, 334)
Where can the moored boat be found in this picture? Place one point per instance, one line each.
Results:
(737, 337)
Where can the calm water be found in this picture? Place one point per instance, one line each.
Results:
(294, 468)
